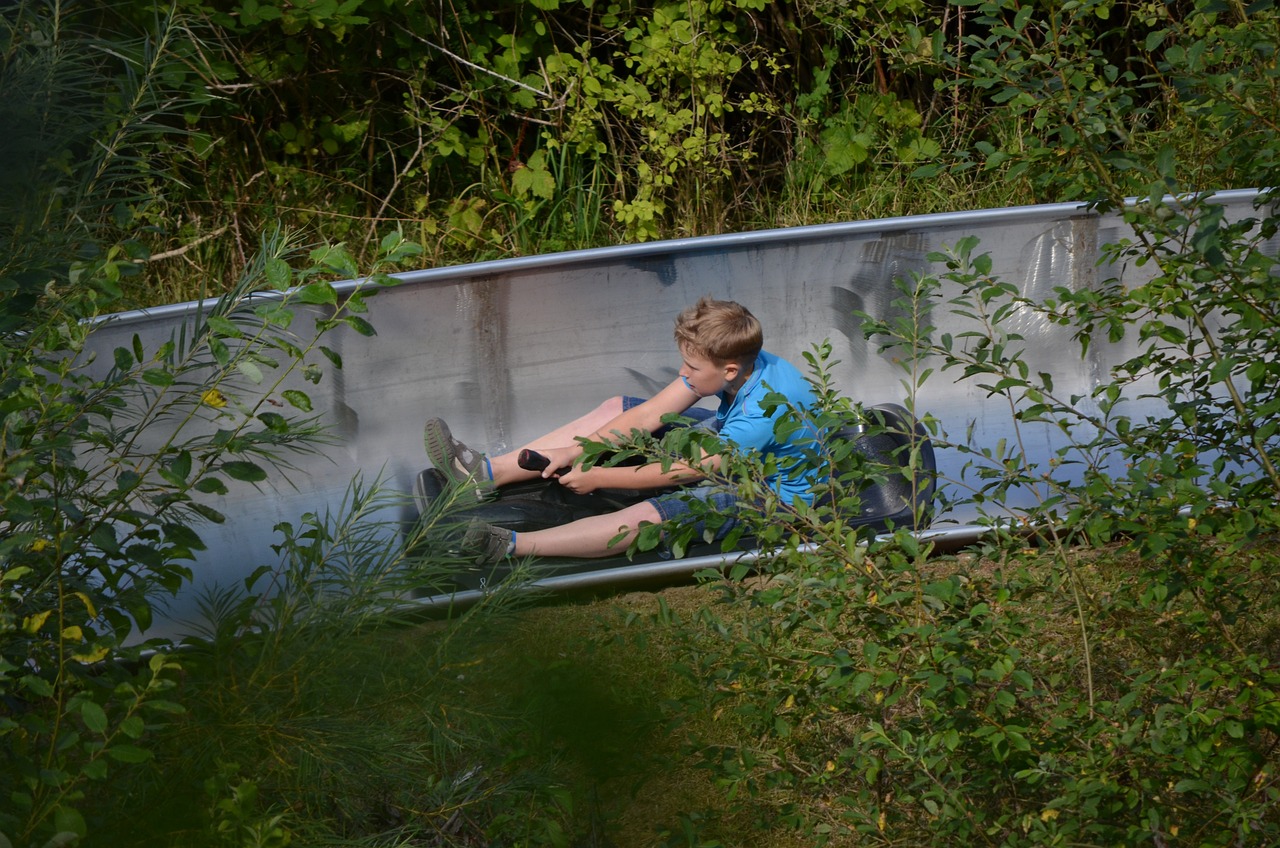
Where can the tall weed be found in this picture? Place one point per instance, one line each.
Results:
(110, 473)
(322, 705)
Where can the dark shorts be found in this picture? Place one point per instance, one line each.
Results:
(704, 417)
(718, 498)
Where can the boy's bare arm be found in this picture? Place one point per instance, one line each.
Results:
(675, 398)
(642, 477)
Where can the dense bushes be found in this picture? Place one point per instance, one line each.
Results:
(1125, 692)
(108, 469)
(549, 125)
(487, 131)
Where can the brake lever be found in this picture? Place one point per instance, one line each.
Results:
(531, 460)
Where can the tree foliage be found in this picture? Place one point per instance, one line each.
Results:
(487, 130)
(108, 469)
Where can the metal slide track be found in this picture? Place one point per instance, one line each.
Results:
(506, 350)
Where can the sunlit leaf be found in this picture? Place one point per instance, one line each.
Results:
(250, 370)
(319, 293)
(278, 273)
(298, 399)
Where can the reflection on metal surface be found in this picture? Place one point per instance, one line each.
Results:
(507, 350)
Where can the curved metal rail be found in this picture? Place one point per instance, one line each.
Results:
(506, 350)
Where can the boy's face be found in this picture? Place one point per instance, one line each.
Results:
(704, 376)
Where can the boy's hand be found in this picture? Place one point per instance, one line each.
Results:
(578, 481)
(559, 458)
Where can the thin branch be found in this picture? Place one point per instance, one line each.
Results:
(178, 251)
(476, 67)
(230, 87)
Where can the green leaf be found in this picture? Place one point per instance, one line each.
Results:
(319, 293)
(210, 486)
(298, 400)
(332, 355)
(1192, 785)
(224, 326)
(221, 353)
(208, 513)
(37, 686)
(250, 370)
(391, 241)
(128, 754)
(360, 325)
(133, 726)
(275, 422)
(68, 820)
(180, 465)
(275, 313)
(336, 258)
(239, 469)
(355, 303)
(95, 719)
(533, 181)
(124, 359)
(279, 274)
(94, 770)
(104, 536)
(183, 536)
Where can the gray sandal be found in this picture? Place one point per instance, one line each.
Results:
(488, 544)
(451, 457)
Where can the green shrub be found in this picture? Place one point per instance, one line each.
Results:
(1036, 691)
(1040, 693)
(107, 479)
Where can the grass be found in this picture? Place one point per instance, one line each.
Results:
(561, 723)
(518, 726)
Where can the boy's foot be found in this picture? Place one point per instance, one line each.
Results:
(454, 459)
(490, 545)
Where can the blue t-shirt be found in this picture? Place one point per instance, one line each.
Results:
(742, 421)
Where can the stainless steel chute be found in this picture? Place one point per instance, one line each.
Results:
(506, 350)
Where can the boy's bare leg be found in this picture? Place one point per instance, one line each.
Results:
(507, 470)
(588, 537)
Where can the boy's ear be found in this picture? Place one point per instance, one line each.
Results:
(731, 371)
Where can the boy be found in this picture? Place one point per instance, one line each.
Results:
(720, 344)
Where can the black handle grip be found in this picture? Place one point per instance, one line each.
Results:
(531, 460)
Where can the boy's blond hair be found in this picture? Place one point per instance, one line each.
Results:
(720, 330)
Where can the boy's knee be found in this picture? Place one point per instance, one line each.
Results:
(612, 407)
(642, 513)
